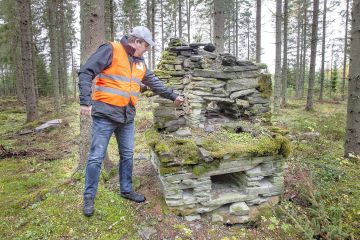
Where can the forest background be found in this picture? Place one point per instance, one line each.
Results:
(306, 44)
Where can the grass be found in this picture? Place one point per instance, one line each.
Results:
(39, 200)
(327, 203)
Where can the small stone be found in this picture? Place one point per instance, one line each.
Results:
(147, 232)
(185, 53)
(242, 103)
(183, 132)
(196, 58)
(187, 63)
(178, 67)
(209, 128)
(216, 218)
(239, 208)
(191, 218)
(242, 93)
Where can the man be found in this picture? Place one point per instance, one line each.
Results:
(119, 69)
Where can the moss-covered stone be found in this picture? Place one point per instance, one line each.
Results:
(152, 137)
(265, 85)
(162, 74)
(177, 152)
(205, 167)
(244, 144)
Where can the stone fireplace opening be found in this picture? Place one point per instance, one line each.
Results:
(225, 182)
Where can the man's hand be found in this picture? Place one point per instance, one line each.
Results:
(179, 101)
(85, 110)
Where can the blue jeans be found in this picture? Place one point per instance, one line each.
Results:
(102, 129)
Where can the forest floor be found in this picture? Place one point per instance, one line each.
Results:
(41, 199)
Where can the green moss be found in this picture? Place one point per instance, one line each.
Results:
(166, 55)
(168, 170)
(152, 137)
(162, 74)
(177, 152)
(279, 130)
(244, 144)
(265, 85)
(285, 145)
(203, 168)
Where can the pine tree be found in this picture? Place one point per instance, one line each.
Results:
(24, 11)
(352, 138)
(310, 101)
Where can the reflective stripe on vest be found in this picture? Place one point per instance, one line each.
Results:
(120, 83)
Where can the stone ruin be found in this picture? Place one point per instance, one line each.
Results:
(217, 156)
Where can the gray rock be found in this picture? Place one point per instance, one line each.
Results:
(239, 208)
(242, 93)
(196, 58)
(213, 74)
(147, 232)
(242, 103)
(178, 67)
(207, 54)
(191, 218)
(185, 132)
(209, 128)
(228, 197)
(219, 99)
(187, 63)
(185, 53)
(241, 84)
(240, 68)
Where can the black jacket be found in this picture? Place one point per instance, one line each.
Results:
(101, 60)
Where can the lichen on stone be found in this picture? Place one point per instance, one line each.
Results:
(265, 85)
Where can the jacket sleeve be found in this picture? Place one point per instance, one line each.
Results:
(97, 62)
(158, 86)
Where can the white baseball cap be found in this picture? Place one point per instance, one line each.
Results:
(143, 33)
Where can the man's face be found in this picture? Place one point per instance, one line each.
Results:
(141, 47)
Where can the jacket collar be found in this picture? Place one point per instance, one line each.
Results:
(129, 49)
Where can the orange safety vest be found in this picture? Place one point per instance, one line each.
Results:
(119, 84)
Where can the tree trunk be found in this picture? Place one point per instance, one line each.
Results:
(148, 19)
(322, 71)
(188, 10)
(345, 51)
(153, 2)
(310, 101)
(298, 53)
(109, 20)
(24, 13)
(92, 36)
(17, 62)
(219, 20)
(63, 52)
(54, 55)
(352, 139)
(73, 69)
(162, 25)
(180, 18)
(285, 63)
(303, 71)
(277, 87)
(258, 31)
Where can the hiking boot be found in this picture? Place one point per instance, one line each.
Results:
(133, 196)
(88, 205)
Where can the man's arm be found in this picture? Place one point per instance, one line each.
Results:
(98, 61)
(158, 86)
